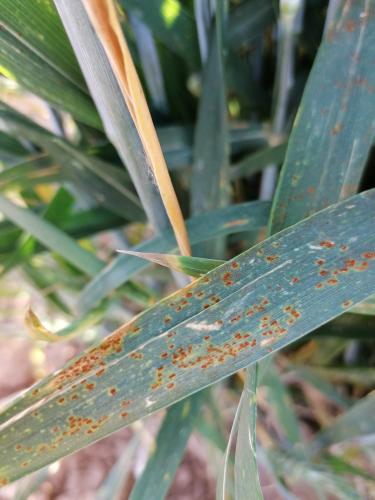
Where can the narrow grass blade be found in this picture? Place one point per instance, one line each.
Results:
(319, 381)
(248, 20)
(335, 127)
(237, 218)
(39, 332)
(172, 24)
(281, 403)
(38, 27)
(35, 52)
(256, 162)
(209, 188)
(51, 237)
(151, 67)
(113, 485)
(103, 16)
(246, 482)
(107, 184)
(192, 266)
(170, 352)
(223, 485)
(357, 422)
(358, 375)
(323, 482)
(107, 95)
(57, 211)
(176, 429)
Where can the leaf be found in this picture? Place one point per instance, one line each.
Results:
(209, 186)
(176, 429)
(181, 344)
(36, 329)
(39, 332)
(242, 217)
(28, 172)
(255, 162)
(247, 483)
(357, 422)
(335, 127)
(52, 237)
(113, 485)
(248, 20)
(38, 26)
(108, 185)
(323, 482)
(56, 211)
(358, 375)
(150, 62)
(171, 23)
(318, 380)
(43, 64)
(103, 16)
(106, 93)
(282, 406)
(192, 266)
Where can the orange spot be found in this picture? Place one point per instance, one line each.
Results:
(336, 129)
(164, 355)
(113, 391)
(332, 281)
(271, 258)
(90, 387)
(170, 385)
(327, 244)
(124, 414)
(369, 255)
(362, 266)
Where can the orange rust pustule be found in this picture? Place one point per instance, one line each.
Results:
(327, 244)
(369, 255)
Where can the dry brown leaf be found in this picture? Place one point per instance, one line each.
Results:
(103, 16)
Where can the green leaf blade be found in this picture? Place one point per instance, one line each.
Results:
(167, 353)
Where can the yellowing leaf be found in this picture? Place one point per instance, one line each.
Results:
(103, 16)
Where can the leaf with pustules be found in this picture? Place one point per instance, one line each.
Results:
(236, 315)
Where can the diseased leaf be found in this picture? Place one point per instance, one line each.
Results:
(189, 340)
(335, 125)
(249, 216)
